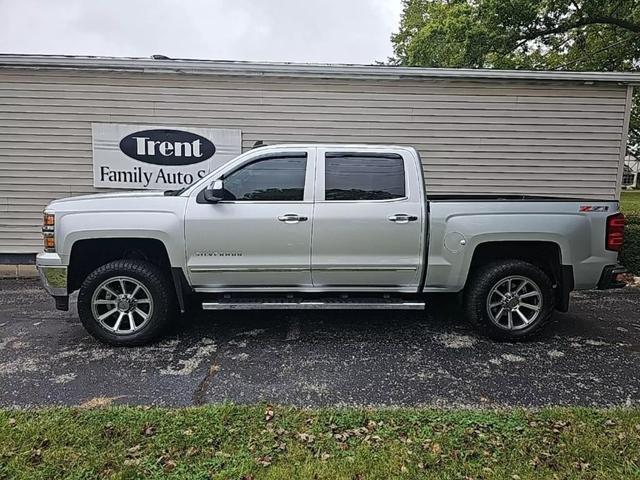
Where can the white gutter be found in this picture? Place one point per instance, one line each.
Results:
(220, 67)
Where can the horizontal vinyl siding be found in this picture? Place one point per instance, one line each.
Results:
(479, 137)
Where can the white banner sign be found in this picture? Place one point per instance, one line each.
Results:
(160, 158)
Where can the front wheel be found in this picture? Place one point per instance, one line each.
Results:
(509, 299)
(126, 303)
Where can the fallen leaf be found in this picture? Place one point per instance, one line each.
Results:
(561, 424)
(168, 465)
(191, 451)
(12, 422)
(109, 430)
(265, 461)
(99, 402)
(582, 466)
(436, 449)
(134, 451)
(148, 430)
(306, 437)
(269, 414)
(188, 432)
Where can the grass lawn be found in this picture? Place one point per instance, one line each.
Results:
(630, 202)
(251, 442)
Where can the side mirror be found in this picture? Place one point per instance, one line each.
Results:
(215, 192)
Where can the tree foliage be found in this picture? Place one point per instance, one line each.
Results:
(584, 35)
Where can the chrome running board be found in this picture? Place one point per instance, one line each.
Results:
(331, 304)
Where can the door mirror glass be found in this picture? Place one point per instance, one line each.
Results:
(215, 192)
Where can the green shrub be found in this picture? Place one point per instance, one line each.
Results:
(630, 254)
(630, 206)
(632, 219)
(630, 203)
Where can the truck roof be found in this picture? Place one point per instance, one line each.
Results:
(369, 146)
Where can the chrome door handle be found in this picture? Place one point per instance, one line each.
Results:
(292, 218)
(402, 218)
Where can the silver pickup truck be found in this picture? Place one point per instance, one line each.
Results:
(322, 227)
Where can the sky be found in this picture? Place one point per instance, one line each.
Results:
(321, 31)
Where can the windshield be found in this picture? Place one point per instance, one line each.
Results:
(208, 177)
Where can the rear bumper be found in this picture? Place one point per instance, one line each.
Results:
(608, 278)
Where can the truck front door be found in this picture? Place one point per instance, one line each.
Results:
(368, 228)
(260, 234)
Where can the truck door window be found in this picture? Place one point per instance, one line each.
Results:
(269, 179)
(363, 176)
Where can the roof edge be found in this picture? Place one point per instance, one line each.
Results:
(283, 69)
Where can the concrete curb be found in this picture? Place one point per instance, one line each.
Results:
(18, 271)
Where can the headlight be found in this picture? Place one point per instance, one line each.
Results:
(48, 230)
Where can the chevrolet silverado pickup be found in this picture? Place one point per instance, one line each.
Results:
(322, 227)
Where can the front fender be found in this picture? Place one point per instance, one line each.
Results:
(166, 227)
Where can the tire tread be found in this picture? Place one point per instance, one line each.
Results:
(154, 279)
(482, 280)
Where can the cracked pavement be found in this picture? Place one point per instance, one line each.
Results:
(589, 356)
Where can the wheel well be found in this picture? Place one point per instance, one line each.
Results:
(87, 255)
(545, 255)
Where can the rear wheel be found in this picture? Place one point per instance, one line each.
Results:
(509, 299)
(126, 303)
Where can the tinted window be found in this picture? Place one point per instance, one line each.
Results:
(363, 176)
(269, 179)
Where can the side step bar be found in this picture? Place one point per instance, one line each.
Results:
(314, 305)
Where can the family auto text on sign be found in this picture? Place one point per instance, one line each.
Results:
(158, 158)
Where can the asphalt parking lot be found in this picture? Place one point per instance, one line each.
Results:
(589, 356)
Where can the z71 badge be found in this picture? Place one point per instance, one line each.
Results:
(594, 208)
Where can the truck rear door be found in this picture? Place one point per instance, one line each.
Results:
(369, 220)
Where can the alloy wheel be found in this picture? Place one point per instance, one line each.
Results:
(514, 302)
(122, 305)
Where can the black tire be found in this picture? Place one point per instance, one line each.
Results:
(157, 285)
(482, 281)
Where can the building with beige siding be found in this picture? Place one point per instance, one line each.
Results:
(478, 131)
